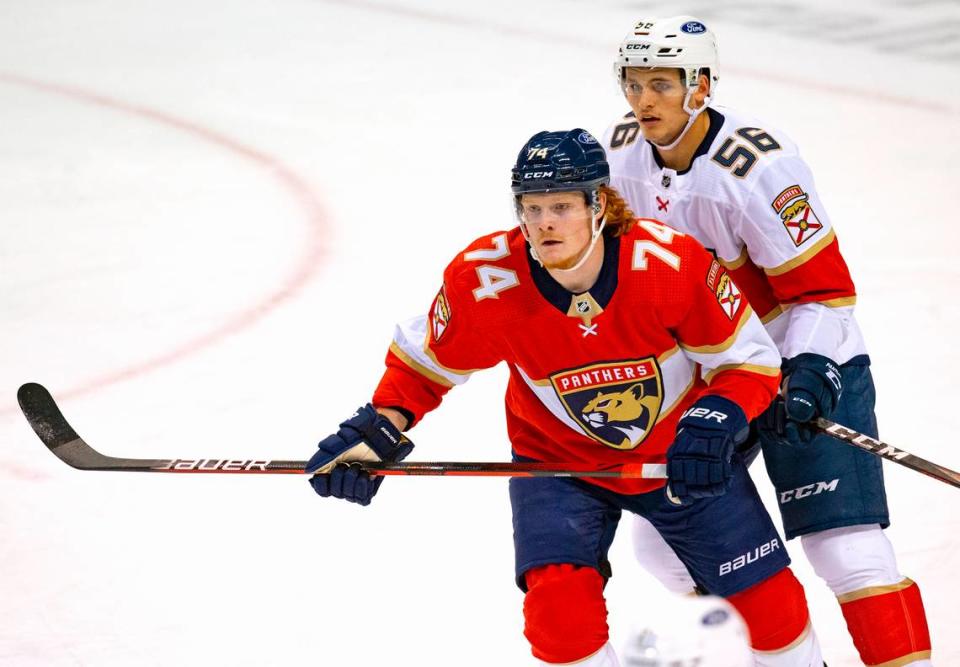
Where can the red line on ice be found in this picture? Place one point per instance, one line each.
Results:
(305, 270)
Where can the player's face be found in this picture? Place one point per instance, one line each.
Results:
(559, 226)
(656, 97)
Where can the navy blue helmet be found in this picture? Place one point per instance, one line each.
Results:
(560, 161)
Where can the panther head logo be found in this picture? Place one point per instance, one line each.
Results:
(628, 411)
(614, 402)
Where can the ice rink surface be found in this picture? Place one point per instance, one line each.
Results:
(212, 215)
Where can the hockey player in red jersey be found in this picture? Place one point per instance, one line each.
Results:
(626, 342)
(740, 187)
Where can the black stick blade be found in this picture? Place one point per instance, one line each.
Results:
(51, 426)
(44, 416)
(56, 433)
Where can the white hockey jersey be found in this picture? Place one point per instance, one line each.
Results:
(750, 198)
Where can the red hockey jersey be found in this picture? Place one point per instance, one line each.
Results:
(600, 377)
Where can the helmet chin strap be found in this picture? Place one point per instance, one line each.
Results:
(693, 116)
(597, 230)
(595, 234)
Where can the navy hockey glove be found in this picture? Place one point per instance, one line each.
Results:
(366, 437)
(698, 461)
(811, 388)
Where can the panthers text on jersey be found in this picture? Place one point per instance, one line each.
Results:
(750, 198)
(600, 377)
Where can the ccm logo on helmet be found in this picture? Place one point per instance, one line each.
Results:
(537, 174)
(637, 47)
(693, 27)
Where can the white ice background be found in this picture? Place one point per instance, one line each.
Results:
(211, 215)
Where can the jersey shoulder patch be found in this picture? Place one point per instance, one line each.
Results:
(797, 215)
(723, 287)
(440, 314)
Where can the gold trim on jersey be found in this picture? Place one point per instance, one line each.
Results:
(418, 367)
(779, 309)
(539, 383)
(840, 302)
(802, 258)
(453, 371)
(774, 313)
(665, 412)
(725, 345)
(873, 591)
(666, 355)
(750, 368)
(736, 263)
(906, 659)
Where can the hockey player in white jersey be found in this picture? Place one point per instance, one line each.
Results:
(740, 187)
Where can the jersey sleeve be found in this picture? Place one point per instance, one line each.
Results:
(720, 332)
(432, 353)
(790, 237)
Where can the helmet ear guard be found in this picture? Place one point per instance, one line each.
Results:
(595, 201)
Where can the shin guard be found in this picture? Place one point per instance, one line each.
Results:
(565, 613)
(888, 624)
(775, 611)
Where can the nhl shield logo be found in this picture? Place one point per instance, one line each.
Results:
(617, 403)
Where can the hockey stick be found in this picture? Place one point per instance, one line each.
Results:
(51, 426)
(888, 452)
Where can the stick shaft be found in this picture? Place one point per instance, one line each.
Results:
(888, 452)
(52, 428)
(422, 468)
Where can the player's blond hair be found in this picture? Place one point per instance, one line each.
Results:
(618, 215)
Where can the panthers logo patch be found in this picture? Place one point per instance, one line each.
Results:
(617, 403)
(727, 293)
(798, 218)
(440, 314)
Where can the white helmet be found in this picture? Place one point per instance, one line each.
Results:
(683, 42)
(694, 632)
(679, 41)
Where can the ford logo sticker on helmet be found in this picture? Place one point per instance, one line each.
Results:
(693, 27)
